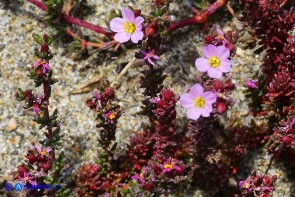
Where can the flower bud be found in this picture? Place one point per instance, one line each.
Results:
(287, 140)
(21, 170)
(109, 92)
(40, 73)
(152, 28)
(46, 167)
(221, 107)
(218, 85)
(32, 158)
(44, 47)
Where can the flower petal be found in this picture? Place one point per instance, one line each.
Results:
(136, 36)
(196, 90)
(117, 24)
(38, 148)
(214, 73)
(48, 149)
(225, 65)
(138, 20)
(122, 37)
(202, 64)
(193, 113)
(205, 113)
(209, 97)
(222, 52)
(186, 100)
(209, 51)
(220, 32)
(128, 14)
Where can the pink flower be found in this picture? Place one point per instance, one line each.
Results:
(26, 178)
(127, 27)
(42, 63)
(96, 94)
(151, 54)
(37, 109)
(198, 102)
(155, 100)
(215, 61)
(246, 185)
(140, 176)
(251, 83)
(111, 116)
(221, 37)
(170, 165)
(44, 151)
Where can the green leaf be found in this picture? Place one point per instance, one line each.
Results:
(38, 38)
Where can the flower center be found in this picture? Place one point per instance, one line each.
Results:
(221, 37)
(112, 115)
(247, 185)
(129, 27)
(214, 62)
(168, 165)
(141, 175)
(199, 102)
(43, 152)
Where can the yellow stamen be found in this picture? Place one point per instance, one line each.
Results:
(170, 166)
(141, 175)
(247, 185)
(199, 102)
(214, 62)
(112, 115)
(221, 37)
(129, 27)
(43, 152)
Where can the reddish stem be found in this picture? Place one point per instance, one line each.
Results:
(47, 93)
(76, 21)
(198, 18)
(87, 25)
(38, 4)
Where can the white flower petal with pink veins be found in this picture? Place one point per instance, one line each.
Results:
(193, 114)
(202, 64)
(117, 24)
(128, 14)
(136, 36)
(122, 37)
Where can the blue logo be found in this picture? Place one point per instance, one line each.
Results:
(18, 187)
(8, 187)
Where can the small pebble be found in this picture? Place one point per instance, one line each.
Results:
(12, 124)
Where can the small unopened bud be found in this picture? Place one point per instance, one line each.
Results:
(109, 92)
(152, 28)
(44, 47)
(40, 73)
(221, 107)
(218, 85)
(32, 158)
(287, 140)
(46, 167)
